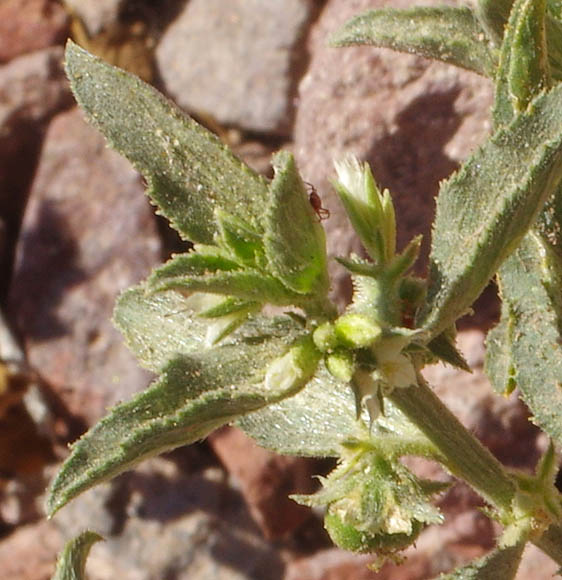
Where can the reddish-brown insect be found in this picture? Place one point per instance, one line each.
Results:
(316, 203)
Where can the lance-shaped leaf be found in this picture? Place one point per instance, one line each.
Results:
(294, 240)
(445, 33)
(530, 284)
(248, 284)
(239, 239)
(195, 394)
(501, 563)
(158, 326)
(524, 71)
(189, 171)
(318, 419)
(72, 561)
(486, 208)
(499, 358)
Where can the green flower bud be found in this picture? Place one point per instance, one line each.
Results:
(374, 504)
(293, 370)
(325, 337)
(357, 330)
(341, 365)
(370, 212)
(350, 538)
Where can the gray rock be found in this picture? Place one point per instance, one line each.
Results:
(88, 233)
(411, 119)
(172, 525)
(236, 61)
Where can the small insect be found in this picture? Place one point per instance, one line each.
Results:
(316, 203)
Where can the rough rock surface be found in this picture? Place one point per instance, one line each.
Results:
(30, 552)
(266, 480)
(236, 61)
(163, 522)
(88, 234)
(33, 89)
(29, 25)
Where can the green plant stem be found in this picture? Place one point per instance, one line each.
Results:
(465, 456)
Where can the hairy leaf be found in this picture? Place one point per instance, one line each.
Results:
(294, 240)
(319, 418)
(196, 394)
(189, 171)
(499, 358)
(485, 209)
(530, 282)
(529, 72)
(247, 284)
(158, 326)
(501, 563)
(72, 561)
(445, 33)
(523, 71)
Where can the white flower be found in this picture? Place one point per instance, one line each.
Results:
(394, 368)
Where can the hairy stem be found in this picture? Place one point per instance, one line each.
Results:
(465, 456)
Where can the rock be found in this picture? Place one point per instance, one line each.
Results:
(412, 119)
(96, 16)
(30, 552)
(29, 25)
(536, 565)
(160, 522)
(33, 89)
(88, 233)
(236, 61)
(266, 480)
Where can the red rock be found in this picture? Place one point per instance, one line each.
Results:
(29, 25)
(266, 480)
(88, 233)
(30, 553)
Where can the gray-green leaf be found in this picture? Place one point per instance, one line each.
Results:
(189, 171)
(530, 284)
(248, 284)
(72, 561)
(157, 326)
(502, 564)
(294, 240)
(319, 418)
(499, 362)
(485, 209)
(196, 394)
(445, 33)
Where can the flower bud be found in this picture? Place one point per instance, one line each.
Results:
(357, 330)
(292, 371)
(341, 365)
(370, 212)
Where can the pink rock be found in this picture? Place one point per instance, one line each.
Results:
(266, 480)
(30, 553)
(88, 233)
(28, 25)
